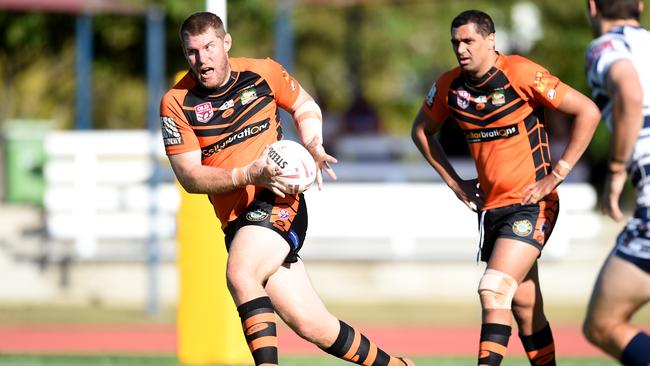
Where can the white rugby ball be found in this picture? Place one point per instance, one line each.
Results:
(297, 164)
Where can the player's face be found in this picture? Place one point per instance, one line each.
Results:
(474, 52)
(207, 54)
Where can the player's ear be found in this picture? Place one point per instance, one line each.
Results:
(593, 11)
(227, 42)
(492, 38)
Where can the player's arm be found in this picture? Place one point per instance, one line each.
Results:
(586, 117)
(308, 120)
(624, 86)
(195, 177)
(423, 135)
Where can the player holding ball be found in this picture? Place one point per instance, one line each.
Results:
(217, 124)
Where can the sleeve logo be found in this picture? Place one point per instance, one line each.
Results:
(171, 134)
(431, 95)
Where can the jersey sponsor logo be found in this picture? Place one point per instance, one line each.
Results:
(284, 214)
(170, 133)
(228, 112)
(489, 134)
(227, 104)
(551, 94)
(235, 138)
(248, 95)
(288, 80)
(542, 80)
(431, 95)
(257, 215)
(204, 112)
(595, 52)
(522, 227)
(462, 98)
(498, 97)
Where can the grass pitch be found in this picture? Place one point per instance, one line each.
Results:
(99, 360)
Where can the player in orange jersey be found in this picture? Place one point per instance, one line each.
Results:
(217, 123)
(498, 101)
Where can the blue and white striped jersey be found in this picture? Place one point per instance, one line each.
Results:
(629, 43)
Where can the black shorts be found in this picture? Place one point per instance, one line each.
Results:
(531, 224)
(286, 216)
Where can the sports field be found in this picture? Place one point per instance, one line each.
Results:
(66, 360)
(430, 334)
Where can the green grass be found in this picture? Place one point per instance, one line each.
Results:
(98, 360)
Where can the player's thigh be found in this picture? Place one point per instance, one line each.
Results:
(257, 252)
(620, 290)
(294, 297)
(514, 257)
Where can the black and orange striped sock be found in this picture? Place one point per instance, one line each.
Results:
(258, 321)
(494, 343)
(353, 346)
(540, 347)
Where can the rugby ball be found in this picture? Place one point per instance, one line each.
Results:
(298, 166)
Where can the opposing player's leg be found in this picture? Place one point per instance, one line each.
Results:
(255, 254)
(510, 261)
(534, 330)
(297, 303)
(620, 290)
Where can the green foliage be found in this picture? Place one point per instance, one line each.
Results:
(389, 50)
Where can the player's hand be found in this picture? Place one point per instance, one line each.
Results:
(262, 173)
(322, 159)
(470, 193)
(534, 192)
(614, 184)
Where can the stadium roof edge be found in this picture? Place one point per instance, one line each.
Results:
(72, 6)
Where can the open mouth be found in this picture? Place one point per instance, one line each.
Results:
(206, 72)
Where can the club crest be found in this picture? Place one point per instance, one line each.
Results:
(204, 112)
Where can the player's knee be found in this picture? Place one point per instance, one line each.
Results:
(238, 277)
(595, 331)
(496, 289)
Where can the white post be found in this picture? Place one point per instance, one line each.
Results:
(218, 7)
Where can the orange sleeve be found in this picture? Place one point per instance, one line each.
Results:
(285, 87)
(435, 104)
(537, 83)
(178, 136)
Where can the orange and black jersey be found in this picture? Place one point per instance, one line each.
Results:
(231, 125)
(502, 118)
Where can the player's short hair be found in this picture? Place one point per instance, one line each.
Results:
(618, 9)
(200, 22)
(483, 22)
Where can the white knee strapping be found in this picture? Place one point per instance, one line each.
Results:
(497, 289)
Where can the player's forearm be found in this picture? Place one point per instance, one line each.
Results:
(210, 180)
(582, 131)
(627, 121)
(431, 150)
(308, 118)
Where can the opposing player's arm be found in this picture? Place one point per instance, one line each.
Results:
(624, 86)
(423, 135)
(308, 119)
(195, 177)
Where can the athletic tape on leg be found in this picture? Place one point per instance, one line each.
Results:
(497, 289)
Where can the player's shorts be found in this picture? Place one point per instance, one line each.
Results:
(286, 216)
(531, 224)
(633, 243)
